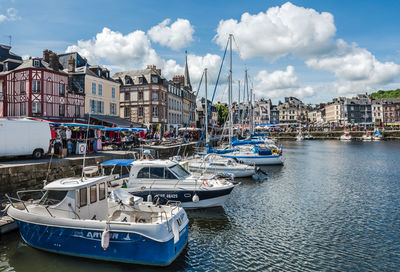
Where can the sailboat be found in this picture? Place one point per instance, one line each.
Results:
(213, 164)
(249, 153)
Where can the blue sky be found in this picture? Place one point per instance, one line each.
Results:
(358, 51)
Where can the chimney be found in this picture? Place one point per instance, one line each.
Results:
(54, 64)
(71, 65)
(46, 55)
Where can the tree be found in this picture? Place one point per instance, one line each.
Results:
(222, 114)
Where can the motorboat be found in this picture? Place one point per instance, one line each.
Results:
(377, 136)
(168, 180)
(299, 137)
(77, 217)
(345, 137)
(366, 137)
(308, 137)
(217, 165)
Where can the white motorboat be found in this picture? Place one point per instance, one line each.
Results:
(299, 137)
(75, 216)
(367, 137)
(214, 164)
(167, 179)
(345, 137)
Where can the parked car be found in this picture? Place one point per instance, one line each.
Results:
(24, 137)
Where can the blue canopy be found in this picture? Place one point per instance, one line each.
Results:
(236, 142)
(118, 162)
(119, 129)
(220, 151)
(75, 125)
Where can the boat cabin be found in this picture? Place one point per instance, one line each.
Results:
(158, 169)
(75, 198)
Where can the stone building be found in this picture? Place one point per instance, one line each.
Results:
(391, 110)
(101, 91)
(144, 97)
(262, 111)
(292, 111)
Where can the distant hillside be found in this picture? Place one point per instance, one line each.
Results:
(386, 94)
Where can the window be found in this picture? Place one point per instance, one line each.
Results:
(157, 173)
(77, 111)
(179, 171)
(36, 108)
(127, 96)
(22, 87)
(140, 112)
(143, 173)
(154, 79)
(23, 109)
(102, 191)
(82, 197)
(93, 194)
(155, 111)
(92, 106)
(61, 109)
(36, 63)
(154, 96)
(100, 90)
(93, 88)
(113, 109)
(100, 107)
(140, 95)
(112, 92)
(62, 89)
(35, 86)
(127, 112)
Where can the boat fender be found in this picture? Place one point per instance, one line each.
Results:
(149, 198)
(195, 198)
(175, 231)
(105, 238)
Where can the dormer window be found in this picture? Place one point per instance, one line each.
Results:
(154, 79)
(36, 63)
(6, 66)
(99, 72)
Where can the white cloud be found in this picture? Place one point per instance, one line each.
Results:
(279, 31)
(176, 36)
(277, 79)
(356, 68)
(10, 15)
(134, 51)
(279, 84)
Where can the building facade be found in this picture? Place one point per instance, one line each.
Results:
(101, 91)
(175, 107)
(292, 111)
(144, 97)
(39, 88)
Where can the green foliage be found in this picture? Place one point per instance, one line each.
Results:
(386, 94)
(222, 114)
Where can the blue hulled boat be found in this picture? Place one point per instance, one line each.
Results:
(76, 216)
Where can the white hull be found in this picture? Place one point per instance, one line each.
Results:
(257, 159)
(208, 203)
(237, 173)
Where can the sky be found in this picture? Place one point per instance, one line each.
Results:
(311, 49)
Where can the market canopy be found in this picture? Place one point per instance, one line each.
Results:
(119, 129)
(116, 121)
(75, 125)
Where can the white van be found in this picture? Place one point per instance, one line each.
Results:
(24, 137)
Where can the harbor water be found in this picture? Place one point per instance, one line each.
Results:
(333, 206)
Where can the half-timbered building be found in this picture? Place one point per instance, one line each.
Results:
(38, 88)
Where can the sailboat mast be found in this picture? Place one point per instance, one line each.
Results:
(230, 92)
(238, 114)
(206, 105)
(251, 112)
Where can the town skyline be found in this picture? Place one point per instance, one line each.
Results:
(320, 63)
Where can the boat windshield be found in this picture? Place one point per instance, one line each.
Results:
(53, 197)
(179, 171)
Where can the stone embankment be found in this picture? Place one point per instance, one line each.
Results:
(333, 135)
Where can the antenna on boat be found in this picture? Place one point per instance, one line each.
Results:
(86, 147)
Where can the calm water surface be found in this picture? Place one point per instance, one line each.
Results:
(333, 206)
